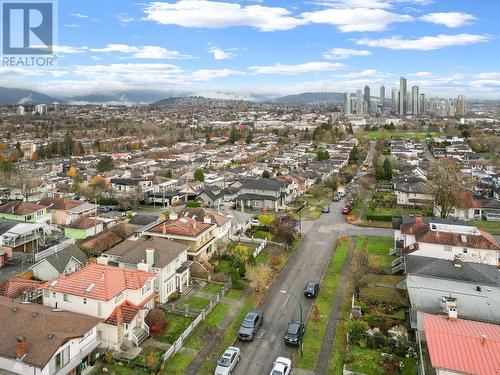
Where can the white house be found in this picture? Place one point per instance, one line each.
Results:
(121, 297)
(63, 262)
(446, 239)
(38, 340)
(166, 258)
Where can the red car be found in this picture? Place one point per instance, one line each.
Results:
(346, 210)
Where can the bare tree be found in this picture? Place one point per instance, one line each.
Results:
(360, 269)
(259, 276)
(445, 185)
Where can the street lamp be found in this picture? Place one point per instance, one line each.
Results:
(301, 320)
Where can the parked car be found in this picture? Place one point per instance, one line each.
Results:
(337, 197)
(228, 361)
(326, 209)
(255, 222)
(294, 333)
(346, 210)
(282, 366)
(312, 289)
(252, 322)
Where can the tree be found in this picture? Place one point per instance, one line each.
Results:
(357, 330)
(359, 271)
(72, 171)
(234, 136)
(266, 174)
(239, 253)
(199, 175)
(155, 319)
(259, 276)
(168, 173)
(322, 155)
(266, 220)
(105, 164)
(445, 186)
(354, 155)
(249, 139)
(387, 169)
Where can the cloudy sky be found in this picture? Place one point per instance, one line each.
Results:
(447, 47)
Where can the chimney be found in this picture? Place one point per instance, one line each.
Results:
(457, 262)
(418, 219)
(483, 339)
(164, 228)
(452, 313)
(207, 219)
(173, 216)
(102, 260)
(21, 347)
(150, 256)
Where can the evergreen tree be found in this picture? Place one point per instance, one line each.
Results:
(387, 169)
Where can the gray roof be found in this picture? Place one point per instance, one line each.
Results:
(444, 269)
(5, 225)
(264, 184)
(134, 252)
(143, 219)
(256, 197)
(60, 259)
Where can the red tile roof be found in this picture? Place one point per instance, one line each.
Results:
(14, 288)
(109, 281)
(184, 226)
(20, 208)
(84, 223)
(56, 203)
(424, 233)
(123, 313)
(463, 346)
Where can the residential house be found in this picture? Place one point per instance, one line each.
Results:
(62, 262)
(25, 211)
(38, 340)
(83, 228)
(435, 285)
(446, 239)
(209, 216)
(467, 208)
(120, 297)
(263, 194)
(413, 192)
(66, 211)
(125, 187)
(462, 347)
(168, 259)
(199, 236)
(20, 237)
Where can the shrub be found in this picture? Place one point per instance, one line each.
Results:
(193, 204)
(390, 364)
(155, 320)
(357, 330)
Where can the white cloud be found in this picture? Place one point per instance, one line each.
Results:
(356, 19)
(220, 54)
(421, 74)
(450, 19)
(425, 43)
(368, 73)
(79, 15)
(125, 18)
(143, 52)
(216, 15)
(69, 49)
(488, 75)
(344, 53)
(309, 67)
(380, 4)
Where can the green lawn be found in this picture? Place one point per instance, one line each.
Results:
(382, 288)
(378, 249)
(263, 235)
(315, 330)
(366, 361)
(375, 134)
(142, 358)
(212, 288)
(176, 324)
(194, 302)
(491, 227)
(122, 370)
(178, 364)
(207, 327)
(263, 257)
(234, 294)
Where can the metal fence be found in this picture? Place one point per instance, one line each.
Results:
(199, 314)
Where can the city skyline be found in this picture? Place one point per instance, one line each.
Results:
(218, 48)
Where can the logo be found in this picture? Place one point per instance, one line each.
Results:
(28, 33)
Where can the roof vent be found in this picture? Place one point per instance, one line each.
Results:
(34, 313)
(50, 335)
(53, 283)
(463, 237)
(14, 309)
(90, 287)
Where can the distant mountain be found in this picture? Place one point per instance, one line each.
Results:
(10, 96)
(187, 101)
(120, 98)
(310, 98)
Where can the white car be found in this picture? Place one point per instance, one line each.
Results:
(255, 222)
(282, 366)
(228, 361)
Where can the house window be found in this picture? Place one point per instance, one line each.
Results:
(66, 297)
(119, 297)
(465, 250)
(85, 301)
(447, 247)
(99, 309)
(60, 360)
(46, 294)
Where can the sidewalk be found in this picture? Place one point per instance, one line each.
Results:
(327, 347)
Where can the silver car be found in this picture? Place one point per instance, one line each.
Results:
(228, 361)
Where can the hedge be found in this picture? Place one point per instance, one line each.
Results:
(378, 217)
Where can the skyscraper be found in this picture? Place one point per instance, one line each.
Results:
(415, 109)
(461, 108)
(394, 100)
(421, 103)
(347, 104)
(382, 96)
(403, 97)
(359, 102)
(367, 97)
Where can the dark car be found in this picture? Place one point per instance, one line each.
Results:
(294, 333)
(312, 289)
(252, 322)
(326, 209)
